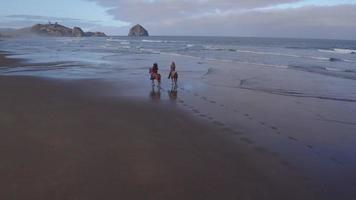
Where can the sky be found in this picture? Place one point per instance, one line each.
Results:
(334, 19)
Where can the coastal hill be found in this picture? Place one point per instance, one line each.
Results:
(52, 30)
(58, 30)
(138, 31)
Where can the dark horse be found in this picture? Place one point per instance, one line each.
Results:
(155, 75)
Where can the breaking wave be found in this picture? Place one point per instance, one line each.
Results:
(339, 51)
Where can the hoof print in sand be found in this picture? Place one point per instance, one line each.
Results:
(292, 138)
(285, 163)
(204, 98)
(227, 129)
(246, 140)
(218, 123)
(238, 133)
(336, 161)
(202, 115)
(261, 150)
(195, 111)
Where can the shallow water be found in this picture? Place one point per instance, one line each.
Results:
(281, 61)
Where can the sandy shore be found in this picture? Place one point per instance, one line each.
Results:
(62, 140)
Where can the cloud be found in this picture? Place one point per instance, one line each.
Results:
(263, 18)
(306, 22)
(156, 10)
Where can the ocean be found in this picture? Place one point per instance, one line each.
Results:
(303, 67)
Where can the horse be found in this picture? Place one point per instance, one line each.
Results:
(174, 76)
(155, 75)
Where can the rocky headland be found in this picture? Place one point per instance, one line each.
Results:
(58, 30)
(50, 30)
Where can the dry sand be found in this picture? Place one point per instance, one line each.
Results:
(62, 140)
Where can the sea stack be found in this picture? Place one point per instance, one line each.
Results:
(138, 31)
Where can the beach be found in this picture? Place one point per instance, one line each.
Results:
(236, 137)
(60, 144)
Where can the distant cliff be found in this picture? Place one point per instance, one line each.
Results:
(138, 31)
(57, 30)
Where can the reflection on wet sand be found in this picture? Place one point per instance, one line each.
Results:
(155, 94)
(173, 93)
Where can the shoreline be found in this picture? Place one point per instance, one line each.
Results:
(61, 140)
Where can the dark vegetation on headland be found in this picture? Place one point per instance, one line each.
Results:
(50, 30)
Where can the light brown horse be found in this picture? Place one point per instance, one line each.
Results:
(173, 74)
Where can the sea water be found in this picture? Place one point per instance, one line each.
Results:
(305, 67)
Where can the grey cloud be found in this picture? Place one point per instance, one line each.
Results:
(156, 10)
(235, 18)
(307, 22)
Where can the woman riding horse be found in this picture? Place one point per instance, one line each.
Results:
(154, 74)
(173, 74)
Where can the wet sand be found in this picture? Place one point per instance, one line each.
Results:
(69, 140)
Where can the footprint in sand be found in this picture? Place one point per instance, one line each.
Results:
(336, 161)
(244, 139)
(238, 133)
(261, 150)
(285, 163)
(195, 111)
(218, 123)
(202, 115)
(292, 138)
(275, 154)
(227, 129)
(204, 98)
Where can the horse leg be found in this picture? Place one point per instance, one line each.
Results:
(175, 82)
